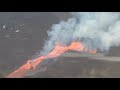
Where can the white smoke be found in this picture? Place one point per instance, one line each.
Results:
(100, 30)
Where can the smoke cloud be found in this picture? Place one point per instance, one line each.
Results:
(97, 30)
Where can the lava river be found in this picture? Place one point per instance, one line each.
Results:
(57, 51)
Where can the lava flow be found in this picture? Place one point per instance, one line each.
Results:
(57, 51)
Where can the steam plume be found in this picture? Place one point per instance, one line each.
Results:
(98, 30)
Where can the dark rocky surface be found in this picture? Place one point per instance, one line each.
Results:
(23, 34)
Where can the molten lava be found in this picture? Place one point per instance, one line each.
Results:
(58, 50)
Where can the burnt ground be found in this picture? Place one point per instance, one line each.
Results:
(80, 68)
(22, 35)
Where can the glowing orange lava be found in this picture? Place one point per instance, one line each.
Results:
(57, 51)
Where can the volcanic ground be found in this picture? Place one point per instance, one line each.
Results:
(22, 35)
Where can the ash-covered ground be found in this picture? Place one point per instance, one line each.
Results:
(22, 35)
